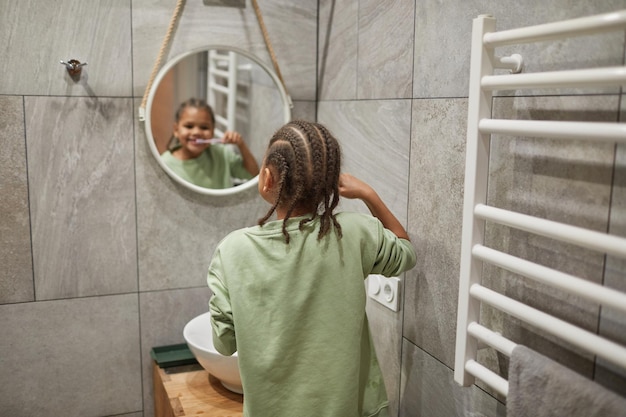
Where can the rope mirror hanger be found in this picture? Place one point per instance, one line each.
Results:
(166, 41)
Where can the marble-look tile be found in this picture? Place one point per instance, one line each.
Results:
(375, 141)
(294, 41)
(435, 220)
(16, 278)
(37, 34)
(443, 40)
(304, 110)
(563, 181)
(337, 50)
(612, 322)
(429, 390)
(80, 171)
(164, 315)
(178, 229)
(385, 56)
(293, 38)
(70, 358)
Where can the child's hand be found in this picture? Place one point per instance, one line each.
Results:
(232, 137)
(352, 187)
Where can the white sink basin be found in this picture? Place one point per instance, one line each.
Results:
(199, 338)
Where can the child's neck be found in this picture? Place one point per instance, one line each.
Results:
(281, 213)
(184, 154)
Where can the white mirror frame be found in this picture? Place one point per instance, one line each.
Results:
(148, 123)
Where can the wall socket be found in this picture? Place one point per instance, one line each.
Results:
(384, 290)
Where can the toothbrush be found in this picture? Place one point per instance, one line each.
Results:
(214, 140)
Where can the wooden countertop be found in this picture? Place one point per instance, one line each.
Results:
(192, 393)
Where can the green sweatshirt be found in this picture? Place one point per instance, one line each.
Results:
(214, 168)
(295, 313)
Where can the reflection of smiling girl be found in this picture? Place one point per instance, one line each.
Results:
(202, 160)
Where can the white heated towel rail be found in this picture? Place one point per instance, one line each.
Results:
(480, 126)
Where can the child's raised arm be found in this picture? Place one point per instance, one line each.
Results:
(352, 187)
(249, 162)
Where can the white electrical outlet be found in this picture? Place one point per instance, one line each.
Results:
(384, 290)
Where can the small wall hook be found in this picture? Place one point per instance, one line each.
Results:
(74, 67)
(514, 63)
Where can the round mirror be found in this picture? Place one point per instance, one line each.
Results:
(214, 153)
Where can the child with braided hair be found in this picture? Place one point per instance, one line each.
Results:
(289, 294)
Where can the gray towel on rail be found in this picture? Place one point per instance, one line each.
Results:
(541, 387)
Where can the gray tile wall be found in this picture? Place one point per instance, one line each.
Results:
(38, 34)
(429, 389)
(612, 323)
(16, 281)
(443, 29)
(71, 357)
(362, 82)
(436, 202)
(95, 238)
(82, 199)
(104, 256)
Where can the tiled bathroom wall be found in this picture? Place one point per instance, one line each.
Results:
(16, 284)
(104, 256)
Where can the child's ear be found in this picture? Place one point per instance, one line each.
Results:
(268, 180)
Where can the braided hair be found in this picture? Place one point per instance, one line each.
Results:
(307, 160)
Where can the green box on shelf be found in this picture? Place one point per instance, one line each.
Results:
(173, 355)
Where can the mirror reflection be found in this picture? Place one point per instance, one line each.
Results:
(197, 156)
(209, 116)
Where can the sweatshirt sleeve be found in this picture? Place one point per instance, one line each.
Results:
(395, 255)
(235, 161)
(221, 312)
